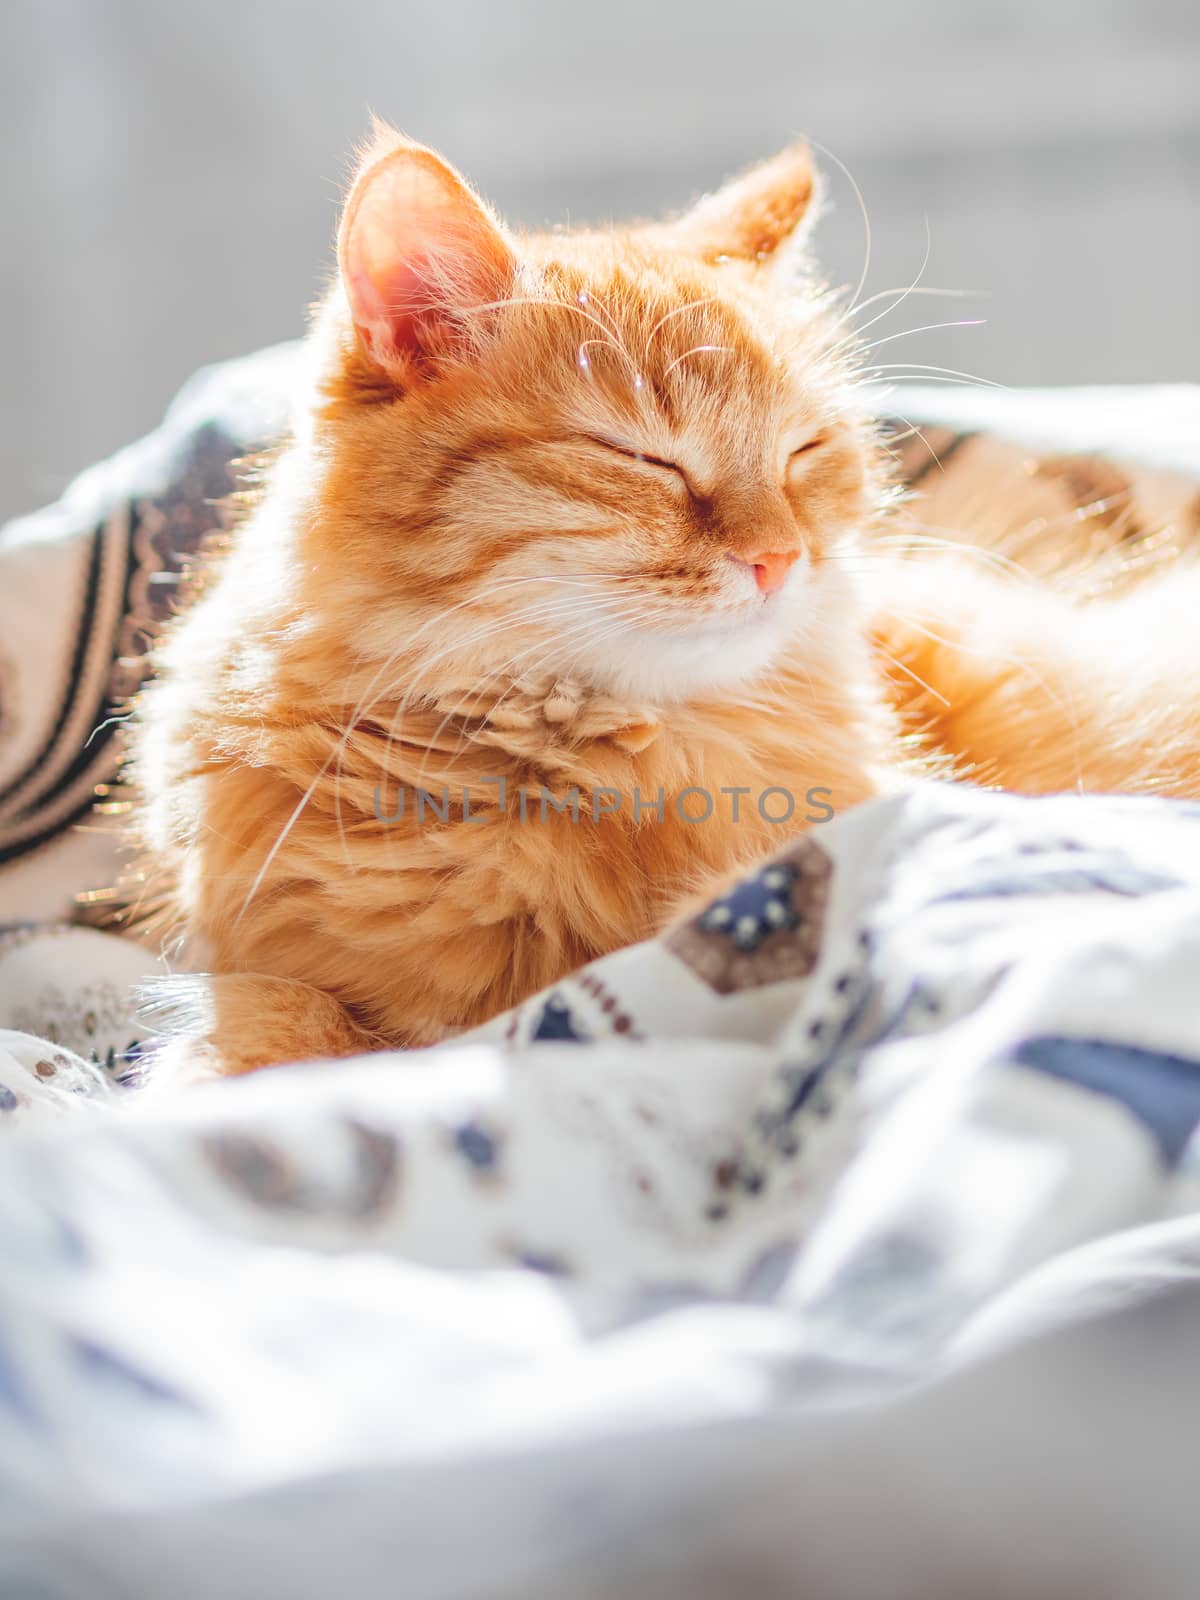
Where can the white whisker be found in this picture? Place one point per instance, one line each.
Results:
(696, 350)
(862, 206)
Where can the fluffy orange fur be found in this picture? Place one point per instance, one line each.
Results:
(531, 527)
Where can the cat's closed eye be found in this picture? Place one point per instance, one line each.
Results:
(798, 459)
(632, 453)
(659, 464)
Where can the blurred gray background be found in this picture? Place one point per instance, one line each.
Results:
(169, 172)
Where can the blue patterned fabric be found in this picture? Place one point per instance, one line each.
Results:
(1161, 1090)
(882, 1169)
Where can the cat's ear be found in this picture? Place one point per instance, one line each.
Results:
(419, 254)
(760, 217)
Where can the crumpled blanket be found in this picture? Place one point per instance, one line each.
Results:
(840, 1242)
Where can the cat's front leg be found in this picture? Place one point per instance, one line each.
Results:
(226, 1024)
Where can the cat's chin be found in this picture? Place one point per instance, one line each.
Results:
(814, 620)
(713, 655)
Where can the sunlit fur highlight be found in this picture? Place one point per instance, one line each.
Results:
(460, 570)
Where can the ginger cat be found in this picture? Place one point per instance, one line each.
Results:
(567, 522)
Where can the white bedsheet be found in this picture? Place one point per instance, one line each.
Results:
(876, 1281)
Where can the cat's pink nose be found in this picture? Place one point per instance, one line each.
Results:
(771, 567)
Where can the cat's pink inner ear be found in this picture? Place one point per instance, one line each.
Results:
(419, 256)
